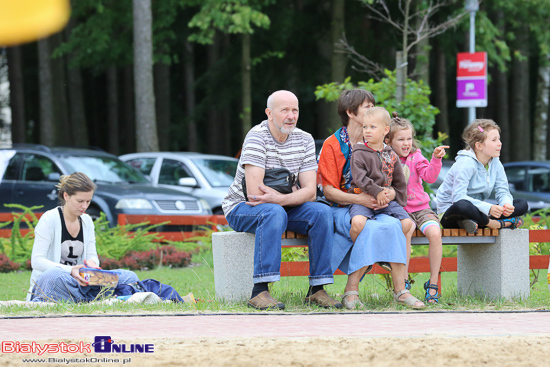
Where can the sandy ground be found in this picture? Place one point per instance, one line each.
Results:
(306, 351)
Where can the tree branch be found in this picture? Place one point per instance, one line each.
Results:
(362, 64)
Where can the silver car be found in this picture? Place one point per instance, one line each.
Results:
(206, 176)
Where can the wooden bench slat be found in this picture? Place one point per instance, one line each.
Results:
(445, 232)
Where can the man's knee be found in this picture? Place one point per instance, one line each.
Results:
(319, 212)
(276, 216)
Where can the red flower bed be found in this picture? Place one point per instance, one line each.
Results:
(6, 265)
(165, 255)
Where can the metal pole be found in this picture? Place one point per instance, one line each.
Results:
(472, 110)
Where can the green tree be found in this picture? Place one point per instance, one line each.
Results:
(233, 17)
(415, 107)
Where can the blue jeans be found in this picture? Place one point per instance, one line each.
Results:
(269, 221)
(56, 285)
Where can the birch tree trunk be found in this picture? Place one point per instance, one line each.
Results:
(189, 72)
(521, 118)
(541, 110)
(112, 110)
(146, 122)
(46, 128)
(17, 94)
(422, 57)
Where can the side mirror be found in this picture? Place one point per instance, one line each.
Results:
(54, 176)
(188, 182)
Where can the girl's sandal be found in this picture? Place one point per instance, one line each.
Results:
(516, 222)
(431, 297)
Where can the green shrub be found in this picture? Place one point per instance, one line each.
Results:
(415, 107)
(115, 242)
(18, 247)
(111, 242)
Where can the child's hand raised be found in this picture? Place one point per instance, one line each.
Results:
(439, 152)
(382, 198)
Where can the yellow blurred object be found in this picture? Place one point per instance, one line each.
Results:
(29, 20)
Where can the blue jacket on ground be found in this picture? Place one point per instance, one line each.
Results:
(469, 180)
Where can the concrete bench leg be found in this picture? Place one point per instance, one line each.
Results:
(499, 270)
(233, 265)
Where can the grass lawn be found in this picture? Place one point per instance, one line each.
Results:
(199, 279)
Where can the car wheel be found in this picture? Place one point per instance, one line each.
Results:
(93, 212)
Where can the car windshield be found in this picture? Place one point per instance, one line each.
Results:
(218, 172)
(103, 169)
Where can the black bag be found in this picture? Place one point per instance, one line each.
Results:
(279, 179)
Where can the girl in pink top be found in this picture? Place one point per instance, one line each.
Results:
(417, 168)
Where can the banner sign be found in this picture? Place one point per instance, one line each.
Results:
(471, 79)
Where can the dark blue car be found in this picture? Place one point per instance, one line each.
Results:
(33, 172)
(530, 180)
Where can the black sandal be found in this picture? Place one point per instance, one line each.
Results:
(431, 297)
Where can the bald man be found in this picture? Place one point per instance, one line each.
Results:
(278, 143)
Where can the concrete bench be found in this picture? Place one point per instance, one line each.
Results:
(491, 263)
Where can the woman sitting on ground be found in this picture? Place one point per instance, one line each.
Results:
(64, 243)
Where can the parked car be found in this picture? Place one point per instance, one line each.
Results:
(33, 172)
(530, 180)
(206, 176)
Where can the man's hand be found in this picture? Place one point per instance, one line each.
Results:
(269, 196)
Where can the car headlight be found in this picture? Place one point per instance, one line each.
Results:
(134, 204)
(205, 204)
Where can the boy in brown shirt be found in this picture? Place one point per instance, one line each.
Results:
(374, 168)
